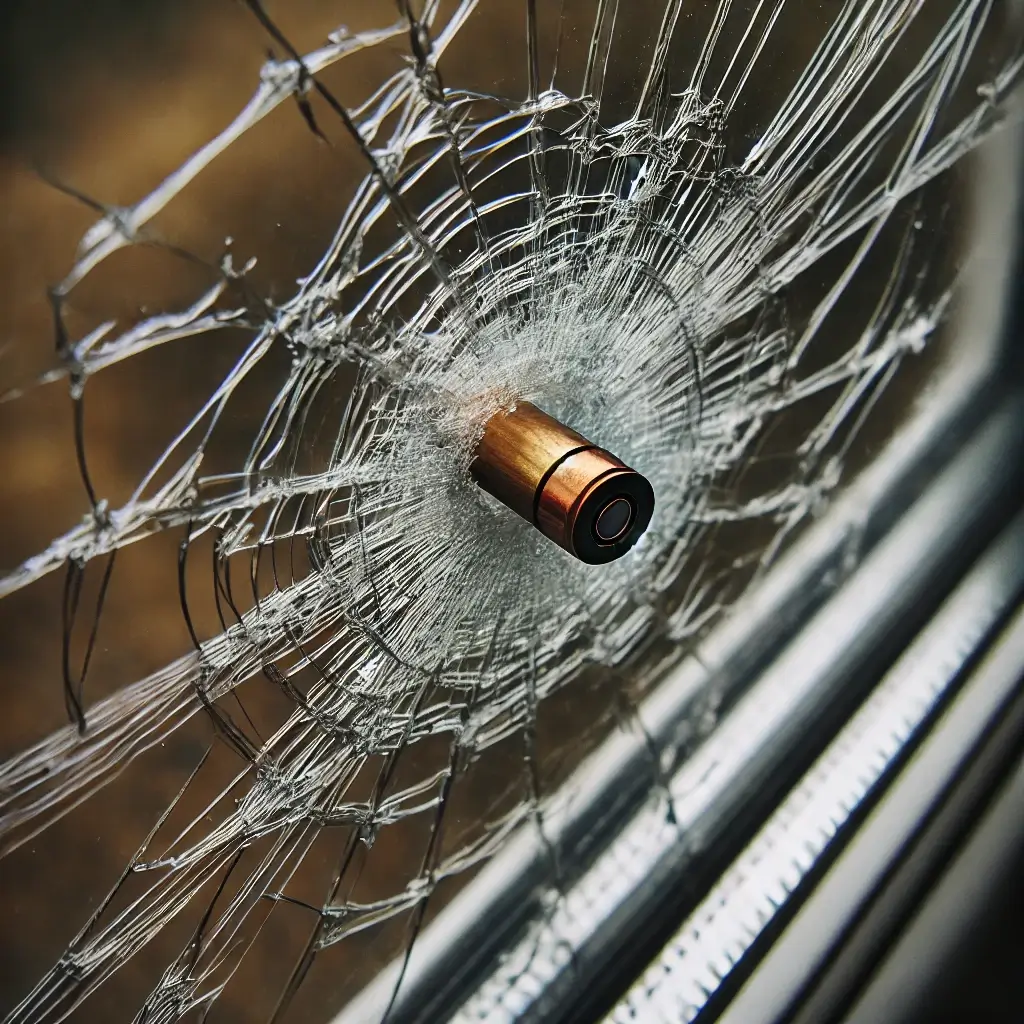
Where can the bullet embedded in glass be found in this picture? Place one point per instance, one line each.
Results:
(579, 495)
(614, 520)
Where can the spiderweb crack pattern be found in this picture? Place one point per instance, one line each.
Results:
(633, 277)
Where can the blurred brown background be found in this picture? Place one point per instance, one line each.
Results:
(108, 98)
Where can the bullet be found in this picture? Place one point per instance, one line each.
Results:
(580, 496)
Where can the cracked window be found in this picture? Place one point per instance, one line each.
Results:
(280, 676)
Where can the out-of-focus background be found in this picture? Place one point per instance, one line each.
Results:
(108, 98)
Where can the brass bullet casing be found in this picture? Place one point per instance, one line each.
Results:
(578, 495)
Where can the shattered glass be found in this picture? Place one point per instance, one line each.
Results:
(718, 239)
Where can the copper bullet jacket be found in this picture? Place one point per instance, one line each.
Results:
(580, 496)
